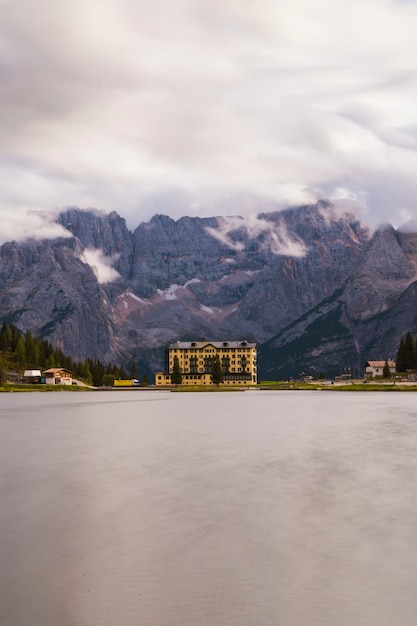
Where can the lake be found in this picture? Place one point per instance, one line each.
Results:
(150, 508)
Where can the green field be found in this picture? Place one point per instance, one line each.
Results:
(354, 386)
(28, 388)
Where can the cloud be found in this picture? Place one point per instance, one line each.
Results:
(276, 237)
(101, 264)
(35, 225)
(110, 103)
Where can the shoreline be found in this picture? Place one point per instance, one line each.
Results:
(270, 386)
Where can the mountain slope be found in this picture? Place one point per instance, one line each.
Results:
(48, 290)
(229, 277)
(307, 282)
(364, 320)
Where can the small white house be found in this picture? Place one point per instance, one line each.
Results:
(57, 376)
(376, 368)
(32, 376)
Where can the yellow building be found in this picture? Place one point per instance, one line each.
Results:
(196, 358)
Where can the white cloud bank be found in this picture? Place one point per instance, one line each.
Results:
(276, 237)
(23, 225)
(103, 102)
(101, 264)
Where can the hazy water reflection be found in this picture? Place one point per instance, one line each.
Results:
(229, 509)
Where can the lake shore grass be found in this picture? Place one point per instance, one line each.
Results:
(351, 386)
(19, 388)
(263, 386)
(201, 388)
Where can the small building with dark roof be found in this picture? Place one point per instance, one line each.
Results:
(32, 377)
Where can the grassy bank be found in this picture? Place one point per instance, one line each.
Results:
(263, 386)
(9, 388)
(387, 386)
(201, 388)
(373, 387)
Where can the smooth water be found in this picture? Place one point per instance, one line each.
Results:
(150, 508)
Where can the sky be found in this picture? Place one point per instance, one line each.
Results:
(205, 107)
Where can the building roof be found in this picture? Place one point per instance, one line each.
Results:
(56, 370)
(380, 363)
(216, 344)
(32, 373)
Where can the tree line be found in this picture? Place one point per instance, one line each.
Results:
(407, 354)
(20, 351)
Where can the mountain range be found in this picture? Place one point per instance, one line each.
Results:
(313, 286)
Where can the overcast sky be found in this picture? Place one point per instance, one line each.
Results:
(104, 102)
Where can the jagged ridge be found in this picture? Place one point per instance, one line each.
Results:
(307, 282)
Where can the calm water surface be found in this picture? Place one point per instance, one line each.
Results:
(223, 509)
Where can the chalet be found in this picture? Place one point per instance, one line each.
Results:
(57, 376)
(196, 360)
(376, 368)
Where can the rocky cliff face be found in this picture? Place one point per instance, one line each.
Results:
(48, 290)
(227, 277)
(95, 230)
(307, 282)
(363, 320)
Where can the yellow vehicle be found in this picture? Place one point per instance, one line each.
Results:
(129, 382)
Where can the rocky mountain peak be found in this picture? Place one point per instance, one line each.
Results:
(272, 274)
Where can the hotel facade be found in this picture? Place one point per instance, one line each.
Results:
(196, 359)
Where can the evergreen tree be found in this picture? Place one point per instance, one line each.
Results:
(409, 351)
(386, 372)
(20, 352)
(50, 361)
(33, 356)
(116, 371)
(2, 372)
(14, 337)
(176, 376)
(86, 372)
(217, 372)
(42, 355)
(59, 357)
(123, 373)
(99, 373)
(28, 344)
(107, 380)
(67, 362)
(133, 370)
(5, 338)
(145, 380)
